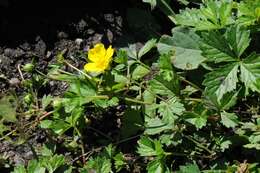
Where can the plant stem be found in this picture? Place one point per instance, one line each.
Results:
(194, 99)
(101, 133)
(81, 145)
(136, 101)
(75, 68)
(20, 72)
(190, 83)
(200, 145)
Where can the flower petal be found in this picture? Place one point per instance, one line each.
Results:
(97, 53)
(93, 67)
(109, 53)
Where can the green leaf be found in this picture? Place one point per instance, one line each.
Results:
(149, 111)
(215, 15)
(170, 109)
(131, 123)
(157, 166)
(79, 93)
(158, 85)
(184, 45)
(238, 38)
(166, 68)
(46, 100)
(58, 126)
(99, 165)
(221, 81)
(190, 168)
(8, 108)
(248, 12)
(148, 147)
(166, 9)
(228, 100)
(250, 72)
(156, 126)
(75, 115)
(147, 47)
(35, 167)
(198, 116)
(119, 161)
(53, 163)
(139, 72)
(225, 48)
(229, 120)
(19, 169)
(197, 120)
(55, 74)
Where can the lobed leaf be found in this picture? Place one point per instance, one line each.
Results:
(221, 81)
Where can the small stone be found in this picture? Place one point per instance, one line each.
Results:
(81, 25)
(8, 52)
(25, 46)
(90, 31)
(14, 81)
(40, 47)
(78, 42)
(48, 55)
(62, 35)
(110, 35)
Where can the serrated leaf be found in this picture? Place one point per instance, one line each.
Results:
(228, 100)
(216, 48)
(139, 72)
(221, 81)
(170, 109)
(35, 167)
(215, 15)
(229, 120)
(157, 166)
(52, 163)
(250, 72)
(46, 100)
(190, 168)
(238, 39)
(58, 126)
(75, 115)
(225, 48)
(248, 12)
(163, 87)
(99, 165)
(148, 147)
(156, 126)
(147, 47)
(183, 44)
(19, 169)
(198, 121)
(119, 161)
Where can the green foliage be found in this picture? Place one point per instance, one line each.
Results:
(183, 44)
(8, 108)
(190, 106)
(212, 15)
(51, 164)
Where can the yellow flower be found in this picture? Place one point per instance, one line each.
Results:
(100, 58)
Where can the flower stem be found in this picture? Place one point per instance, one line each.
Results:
(190, 83)
(78, 70)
